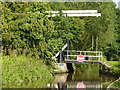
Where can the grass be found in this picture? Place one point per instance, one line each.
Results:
(117, 84)
(17, 70)
(114, 64)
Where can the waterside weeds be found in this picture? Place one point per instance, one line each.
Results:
(23, 69)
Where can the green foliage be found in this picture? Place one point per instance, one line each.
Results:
(114, 64)
(26, 26)
(116, 84)
(22, 69)
(27, 29)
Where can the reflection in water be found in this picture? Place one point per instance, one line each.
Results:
(81, 79)
(59, 81)
(80, 85)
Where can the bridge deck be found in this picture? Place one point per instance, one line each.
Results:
(83, 62)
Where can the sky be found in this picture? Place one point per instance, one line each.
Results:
(116, 1)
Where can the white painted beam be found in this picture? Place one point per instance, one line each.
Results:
(65, 46)
(52, 11)
(72, 15)
(75, 15)
(73, 11)
(57, 54)
(83, 55)
(79, 11)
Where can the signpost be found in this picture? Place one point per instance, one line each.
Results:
(80, 58)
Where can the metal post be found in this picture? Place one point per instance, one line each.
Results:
(85, 53)
(96, 46)
(68, 49)
(99, 56)
(80, 52)
(102, 56)
(60, 57)
(96, 43)
(92, 42)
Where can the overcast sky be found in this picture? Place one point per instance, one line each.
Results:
(116, 1)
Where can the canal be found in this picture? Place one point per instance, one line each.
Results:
(86, 76)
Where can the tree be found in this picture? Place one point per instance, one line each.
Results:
(27, 27)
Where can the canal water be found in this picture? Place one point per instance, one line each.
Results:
(83, 77)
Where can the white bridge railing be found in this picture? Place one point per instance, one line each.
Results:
(90, 54)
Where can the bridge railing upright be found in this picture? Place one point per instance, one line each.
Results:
(90, 55)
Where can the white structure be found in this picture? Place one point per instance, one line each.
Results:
(73, 13)
(119, 4)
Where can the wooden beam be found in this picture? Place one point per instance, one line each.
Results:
(75, 15)
(73, 11)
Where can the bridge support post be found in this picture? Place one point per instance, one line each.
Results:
(67, 49)
(70, 67)
(61, 57)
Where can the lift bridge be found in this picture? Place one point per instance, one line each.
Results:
(75, 56)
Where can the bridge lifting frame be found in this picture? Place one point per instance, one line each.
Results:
(71, 13)
(88, 54)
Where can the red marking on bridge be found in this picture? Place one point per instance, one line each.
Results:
(80, 58)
